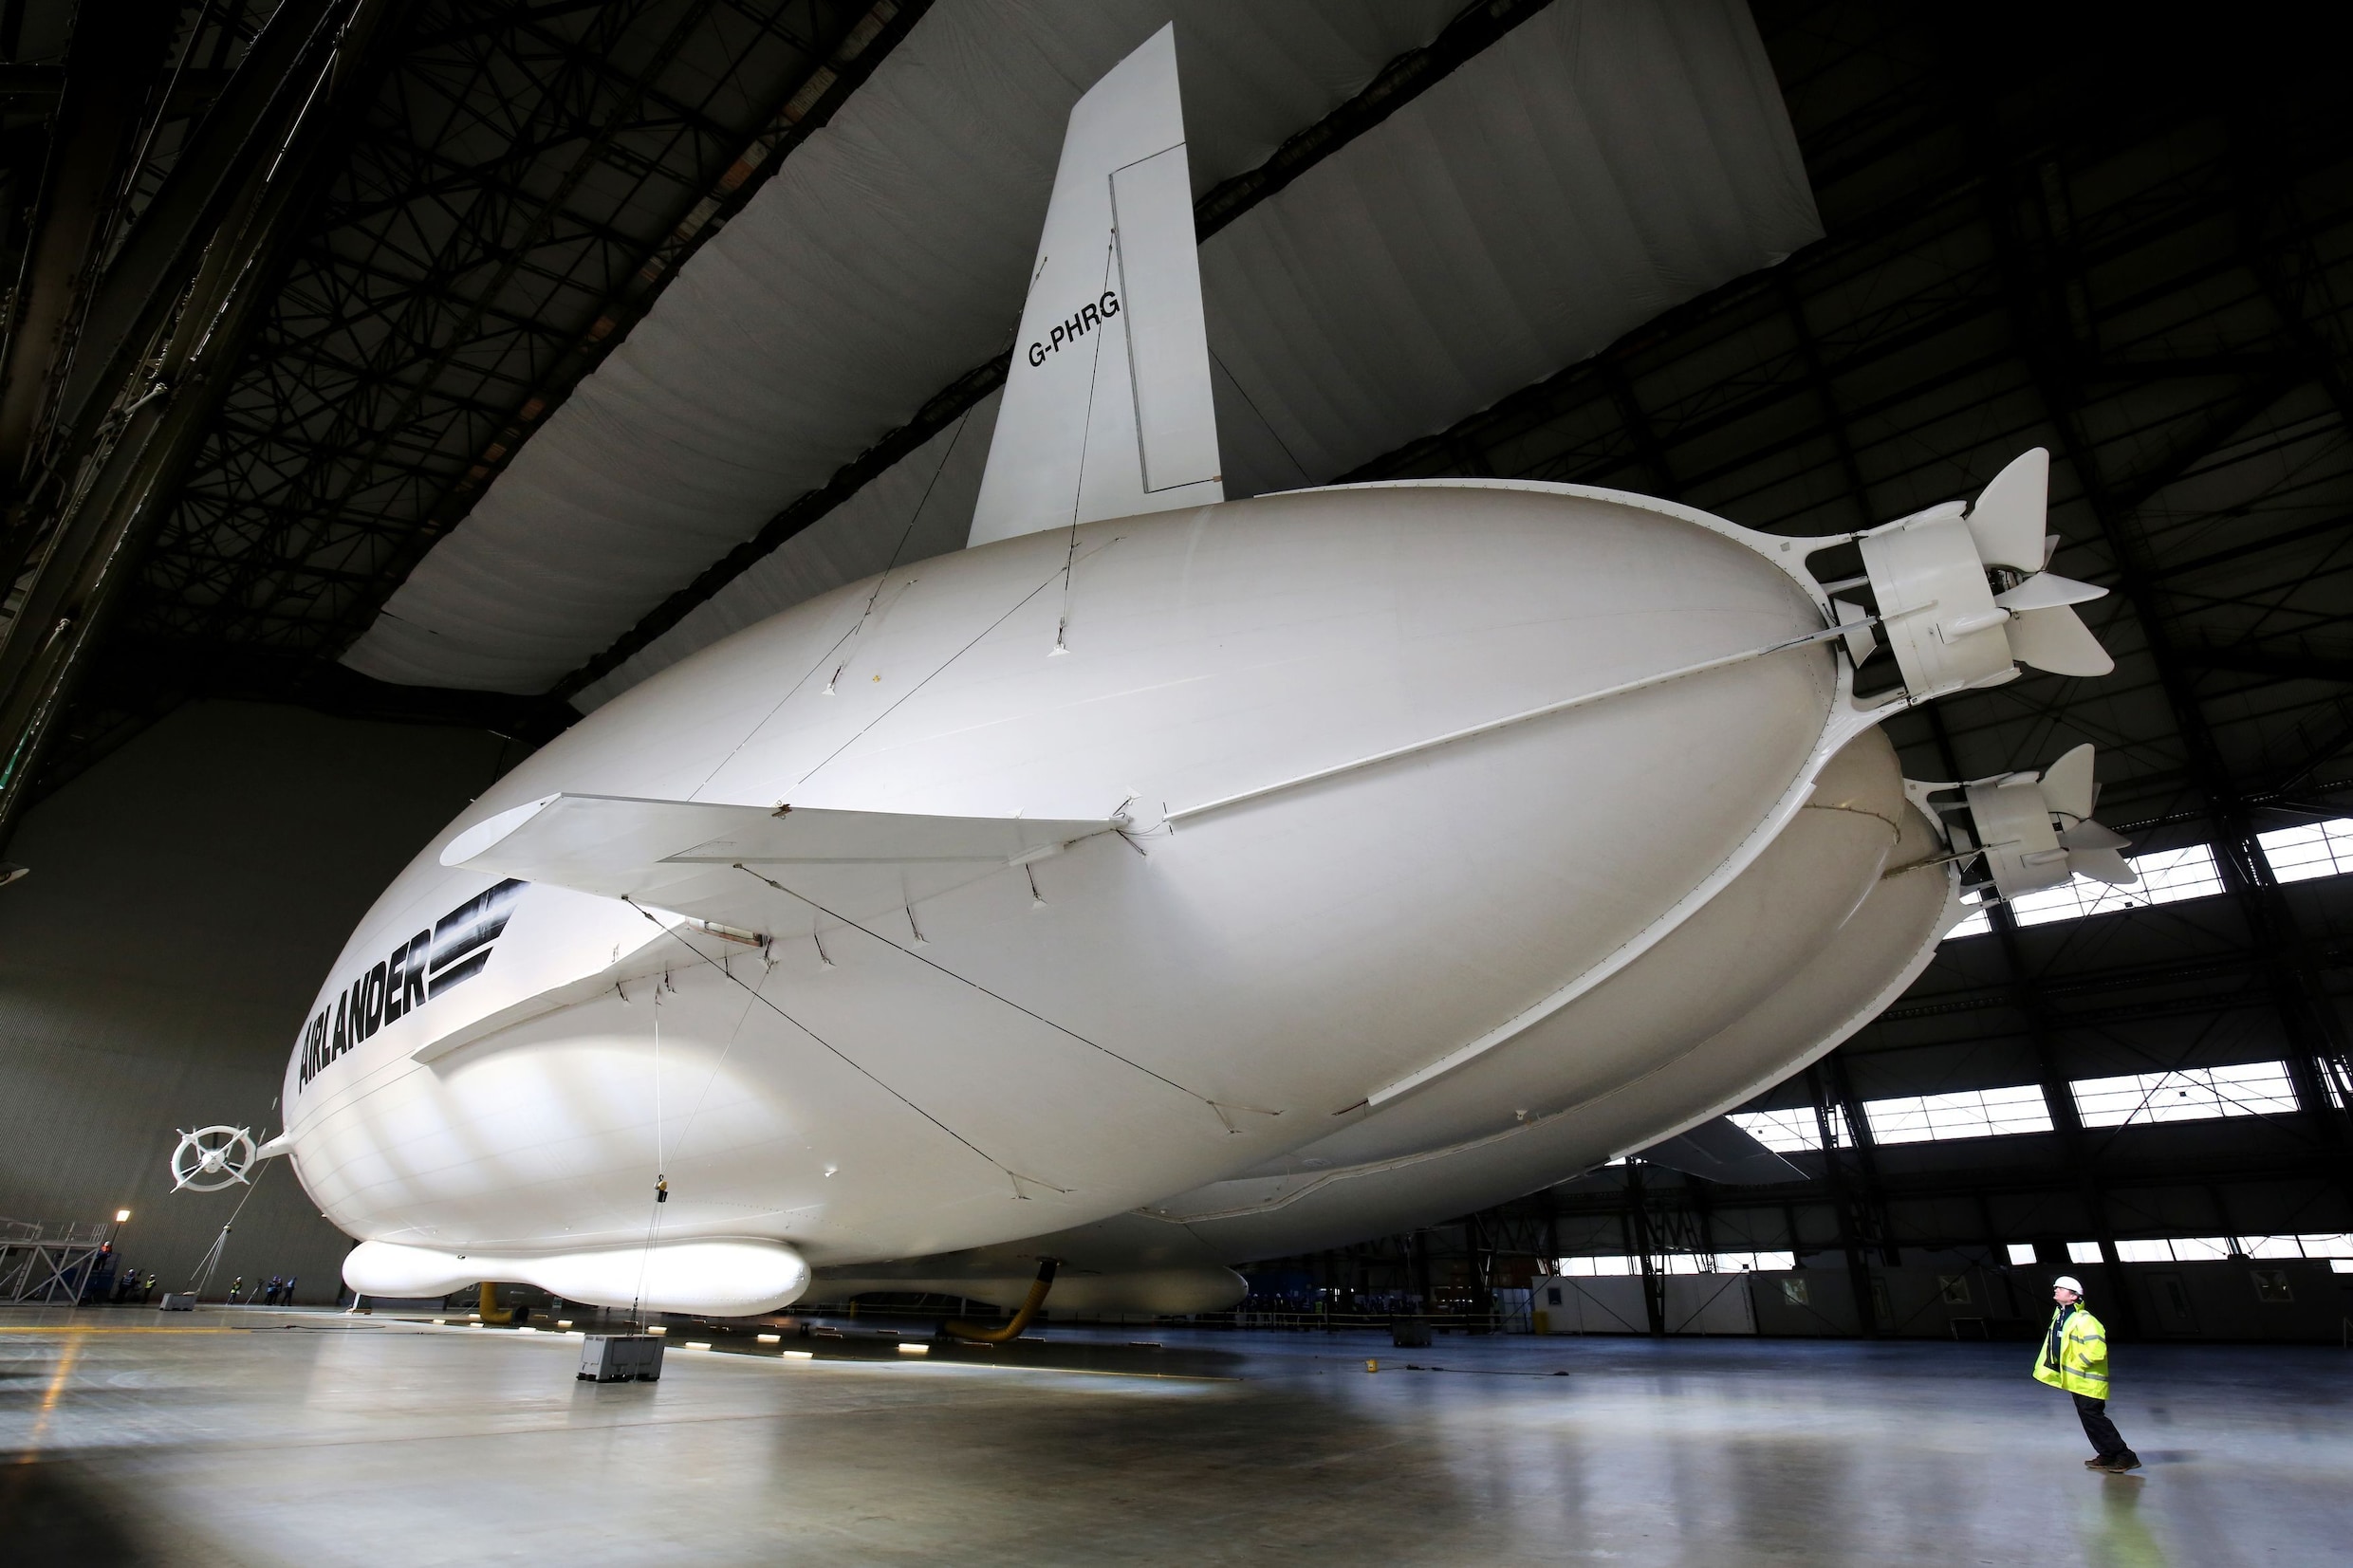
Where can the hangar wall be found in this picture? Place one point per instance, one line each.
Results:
(187, 895)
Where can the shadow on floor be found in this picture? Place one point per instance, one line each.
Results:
(52, 1512)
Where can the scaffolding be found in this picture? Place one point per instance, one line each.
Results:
(46, 1263)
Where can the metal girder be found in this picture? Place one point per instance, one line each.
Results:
(861, 44)
(105, 82)
(2306, 1011)
(320, 506)
(232, 142)
(426, 324)
(205, 252)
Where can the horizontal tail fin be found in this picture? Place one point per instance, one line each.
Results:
(683, 855)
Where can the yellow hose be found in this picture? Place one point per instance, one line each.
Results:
(491, 1313)
(1010, 1331)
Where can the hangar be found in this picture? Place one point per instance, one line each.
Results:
(393, 386)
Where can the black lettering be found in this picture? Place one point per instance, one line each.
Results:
(1094, 317)
(461, 972)
(372, 995)
(1076, 326)
(474, 923)
(1054, 341)
(413, 988)
(1110, 303)
(395, 986)
(343, 1032)
(1037, 354)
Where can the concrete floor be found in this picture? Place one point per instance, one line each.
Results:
(331, 1440)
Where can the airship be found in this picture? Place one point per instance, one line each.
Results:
(1165, 881)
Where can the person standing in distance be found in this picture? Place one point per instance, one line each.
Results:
(2074, 1356)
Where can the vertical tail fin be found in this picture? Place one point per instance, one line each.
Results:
(1107, 409)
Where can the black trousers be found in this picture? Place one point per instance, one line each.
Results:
(2106, 1440)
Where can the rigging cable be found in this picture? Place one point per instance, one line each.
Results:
(848, 1061)
(1216, 1106)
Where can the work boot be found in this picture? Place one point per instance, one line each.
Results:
(2097, 1462)
(2122, 1463)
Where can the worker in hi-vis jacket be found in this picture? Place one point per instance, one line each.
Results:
(2074, 1356)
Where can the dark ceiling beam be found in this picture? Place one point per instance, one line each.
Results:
(861, 45)
(2032, 261)
(325, 516)
(111, 64)
(208, 250)
(2273, 662)
(1396, 84)
(2278, 250)
(278, 450)
(119, 316)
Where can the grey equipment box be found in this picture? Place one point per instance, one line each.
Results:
(175, 1302)
(620, 1359)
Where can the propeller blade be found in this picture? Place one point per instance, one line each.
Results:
(2050, 550)
(2102, 865)
(2092, 836)
(2045, 591)
(2066, 784)
(2007, 521)
(2056, 639)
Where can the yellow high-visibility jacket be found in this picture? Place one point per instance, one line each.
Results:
(2083, 1361)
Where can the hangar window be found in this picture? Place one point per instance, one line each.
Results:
(1678, 1262)
(2215, 1249)
(1790, 1132)
(2167, 877)
(2189, 1249)
(2194, 1093)
(1744, 1262)
(2313, 849)
(1968, 1113)
(2022, 1253)
(2325, 1245)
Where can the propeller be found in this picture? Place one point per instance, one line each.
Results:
(211, 1159)
(2006, 523)
(2073, 794)
(1966, 595)
(2035, 830)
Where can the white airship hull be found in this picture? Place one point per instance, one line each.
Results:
(1160, 884)
(1173, 1004)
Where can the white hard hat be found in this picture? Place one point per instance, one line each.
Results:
(2067, 1281)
